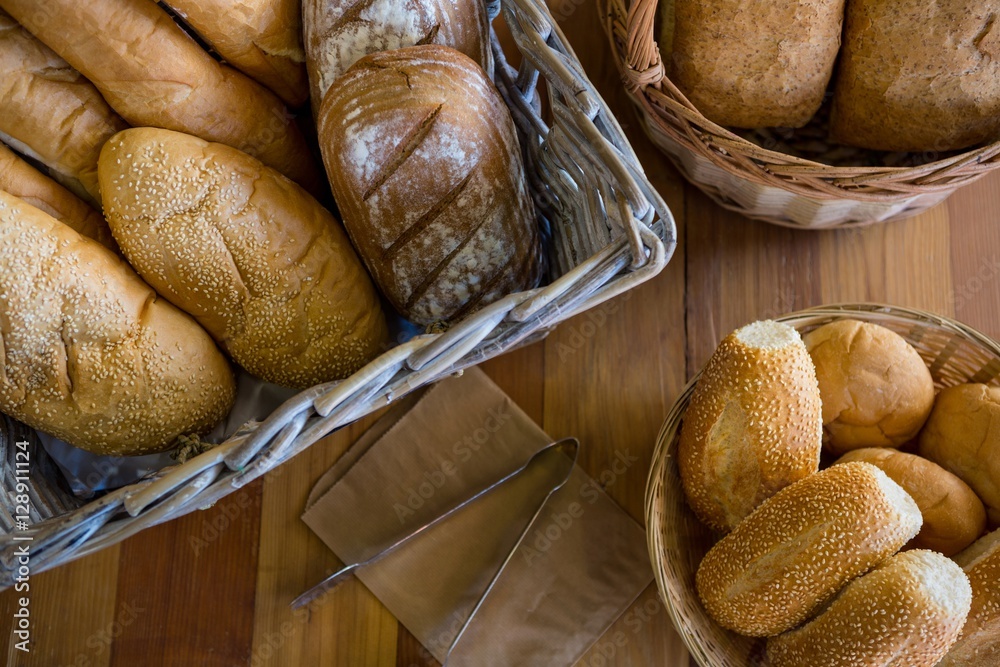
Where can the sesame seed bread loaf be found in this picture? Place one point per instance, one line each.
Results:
(425, 166)
(50, 112)
(979, 644)
(953, 514)
(762, 63)
(918, 76)
(261, 38)
(338, 33)
(90, 355)
(906, 612)
(753, 424)
(154, 74)
(802, 545)
(256, 260)
(20, 179)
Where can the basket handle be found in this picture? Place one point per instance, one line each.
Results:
(645, 67)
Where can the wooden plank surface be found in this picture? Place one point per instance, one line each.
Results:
(213, 588)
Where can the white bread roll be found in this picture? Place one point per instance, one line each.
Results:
(906, 612)
(50, 112)
(155, 75)
(256, 260)
(424, 162)
(979, 644)
(753, 424)
(90, 354)
(802, 545)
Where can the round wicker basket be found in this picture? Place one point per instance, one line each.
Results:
(677, 541)
(817, 189)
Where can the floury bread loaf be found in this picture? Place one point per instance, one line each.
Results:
(425, 166)
(256, 260)
(338, 33)
(90, 354)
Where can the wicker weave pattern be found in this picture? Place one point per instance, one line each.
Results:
(677, 541)
(760, 183)
(608, 231)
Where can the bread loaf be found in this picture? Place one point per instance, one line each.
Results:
(256, 260)
(90, 355)
(962, 435)
(753, 64)
(338, 33)
(906, 612)
(50, 112)
(153, 74)
(918, 76)
(20, 179)
(426, 169)
(953, 515)
(802, 545)
(753, 424)
(979, 644)
(261, 38)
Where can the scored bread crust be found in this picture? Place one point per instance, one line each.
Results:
(258, 262)
(979, 644)
(155, 75)
(906, 612)
(50, 112)
(425, 166)
(90, 355)
(752, 427)
(802, 545)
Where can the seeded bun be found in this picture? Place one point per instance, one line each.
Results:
(803, 545)
(980, 641)
(876, 390)
(753, 424)
(962, 435)
(953, 514)
(906, 612)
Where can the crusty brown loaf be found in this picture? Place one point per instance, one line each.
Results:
(153, 74)
(50, 112)
(256, 260)
(753, 64)
(953, 514)
(963, 435)
(424, 163)
(90, 354)
(753, 424)
(876, 390)
(918, 76)
(261, 38)
(20, 179)
(802, 545)
(338, 33)
(906, 612)
(979, 645)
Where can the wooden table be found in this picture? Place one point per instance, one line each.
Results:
(213, 587)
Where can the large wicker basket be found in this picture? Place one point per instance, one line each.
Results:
(607, 231)
(772, 185)
(678, 541)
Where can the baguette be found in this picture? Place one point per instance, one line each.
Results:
(979, 644)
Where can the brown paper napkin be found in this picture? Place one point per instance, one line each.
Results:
(582, 563)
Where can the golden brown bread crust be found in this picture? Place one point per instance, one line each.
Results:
(876, 390)
(20, 179)
(153, 74)
(979, 644)
(50, 112)
(802, 545)
(261, 38)
(754, 64)
(918, 76)
(953, 514)
(256, 260)
(89, 353)
(426, 169)
(753, 424)
(906, 612)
